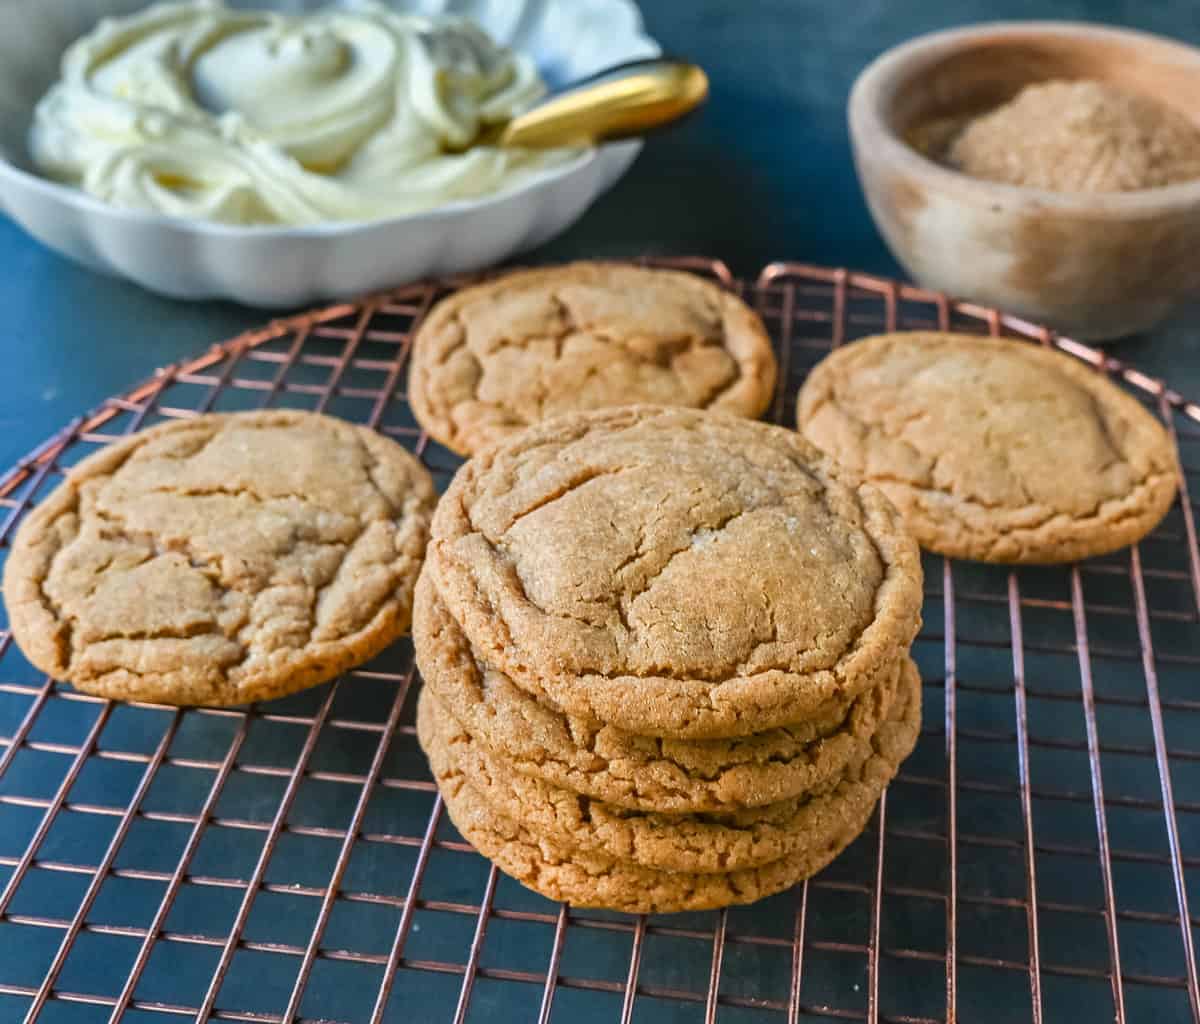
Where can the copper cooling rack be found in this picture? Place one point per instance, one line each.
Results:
(292, 861)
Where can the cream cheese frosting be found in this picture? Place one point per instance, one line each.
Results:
(196, 110)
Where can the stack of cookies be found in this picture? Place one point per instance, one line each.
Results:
(665, 656)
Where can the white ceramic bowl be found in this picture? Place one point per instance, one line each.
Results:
(283, 266)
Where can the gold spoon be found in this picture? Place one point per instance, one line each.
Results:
(622, 102)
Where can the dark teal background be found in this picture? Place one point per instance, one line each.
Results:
(763, 173)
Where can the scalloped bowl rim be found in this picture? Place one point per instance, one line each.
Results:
(80, 200)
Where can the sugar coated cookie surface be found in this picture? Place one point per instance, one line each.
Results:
(703, 844)
(221, 559)
(648, 773)
(991, 448)
(534, 344)
(580, 868)
(675, 573)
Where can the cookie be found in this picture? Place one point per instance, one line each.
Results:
(221, 559)
(675, 573)
(993, 449)
(585, 878)
(622, 768)
(701, 844)
(495, 358)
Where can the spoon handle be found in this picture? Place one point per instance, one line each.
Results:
(624, 101)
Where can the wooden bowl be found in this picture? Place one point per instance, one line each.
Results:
(1095, 266)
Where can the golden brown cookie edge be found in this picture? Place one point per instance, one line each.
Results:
(34, 627)
(1060, 540)
(750, 396)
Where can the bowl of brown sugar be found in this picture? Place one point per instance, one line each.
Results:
(1048, 168)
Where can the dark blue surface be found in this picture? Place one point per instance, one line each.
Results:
(763, 173)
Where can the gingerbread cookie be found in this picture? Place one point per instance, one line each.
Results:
(221, 559)
(993, 449)
(622, 768)
(583, 877)
(675, 573)
(701, 844)
(527, 346)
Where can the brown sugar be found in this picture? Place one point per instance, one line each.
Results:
(1080, 136)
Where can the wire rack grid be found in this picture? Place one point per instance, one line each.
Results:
(291, 861)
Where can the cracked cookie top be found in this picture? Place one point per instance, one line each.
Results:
(221, 559)
(495, 358)
(993, 449)
(675, 573)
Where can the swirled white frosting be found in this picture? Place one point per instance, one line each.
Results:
(195, 110)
